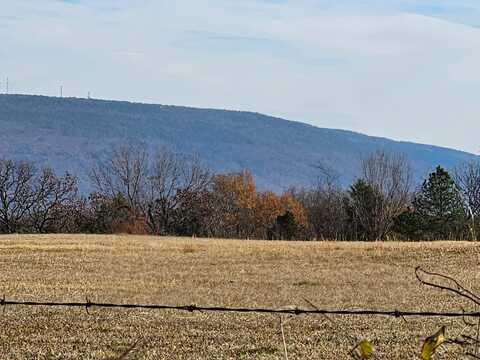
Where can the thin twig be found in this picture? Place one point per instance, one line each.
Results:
(283, 338)
(477, 337)
(352, 352)
(316, 308)
(459, 290)
(126, 352)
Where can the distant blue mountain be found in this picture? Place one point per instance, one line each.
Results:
(71, 134)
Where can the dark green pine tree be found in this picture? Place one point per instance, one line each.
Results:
(287, 226)
(362, 207)
(439, 207)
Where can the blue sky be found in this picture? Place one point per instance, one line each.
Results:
(404, 69)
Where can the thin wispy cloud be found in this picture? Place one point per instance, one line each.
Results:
(394, 68)
(230, 43)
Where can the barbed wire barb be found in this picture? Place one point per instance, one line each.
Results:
(87, 305)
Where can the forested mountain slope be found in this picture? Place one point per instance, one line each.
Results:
(70, 134)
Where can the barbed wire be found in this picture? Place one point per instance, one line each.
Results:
(196, 308)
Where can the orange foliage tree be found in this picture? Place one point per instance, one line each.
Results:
(235, 196)
(267, 208)
(245, 212)
(289, 203)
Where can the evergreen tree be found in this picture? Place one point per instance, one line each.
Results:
(439, 207)
(287, 226)
(363, 205)
(408, 225)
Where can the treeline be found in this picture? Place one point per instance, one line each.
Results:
(140, 193)
(384, 204)
(164, 193)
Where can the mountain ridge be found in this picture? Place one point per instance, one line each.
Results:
(73, 133)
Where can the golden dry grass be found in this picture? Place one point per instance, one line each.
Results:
(221, 272)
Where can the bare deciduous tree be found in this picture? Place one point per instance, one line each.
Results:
(52, 195)
(324, 206)
(16, 194)
(174, 182)
(124, 173)
(328, 177)
(467, 179)
(389, 175)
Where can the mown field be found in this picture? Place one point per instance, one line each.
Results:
(222, 272)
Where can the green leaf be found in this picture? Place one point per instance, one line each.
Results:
(363, 350)
(432, 343)
(366, 349)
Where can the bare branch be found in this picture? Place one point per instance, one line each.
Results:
(457, 288)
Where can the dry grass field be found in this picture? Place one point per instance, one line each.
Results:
(221, 272)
